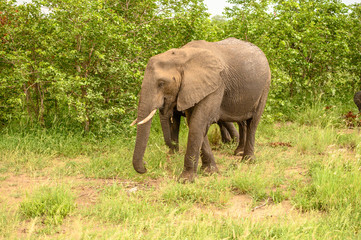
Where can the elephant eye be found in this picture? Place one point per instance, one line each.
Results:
(160, 84)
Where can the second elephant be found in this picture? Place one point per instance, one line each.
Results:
(171, 123)
(357, 100)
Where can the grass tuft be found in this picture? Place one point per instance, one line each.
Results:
(51, 203)
(252, 183)
(203, 191)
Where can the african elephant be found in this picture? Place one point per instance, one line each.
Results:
(170, 127)
(210, 81)
(357, 100)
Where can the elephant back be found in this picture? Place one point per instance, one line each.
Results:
(245, 67)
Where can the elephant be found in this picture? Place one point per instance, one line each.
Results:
(224, 81)
(170, 127)
(357, 100)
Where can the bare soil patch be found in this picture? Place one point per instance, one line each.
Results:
(241, 206)
(14, 188)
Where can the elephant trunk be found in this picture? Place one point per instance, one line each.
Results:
(143, 130)
(140, 146)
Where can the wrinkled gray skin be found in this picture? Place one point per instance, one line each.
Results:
(357, 100)
(170, 127)
(223, 81)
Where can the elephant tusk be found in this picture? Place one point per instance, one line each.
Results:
(148, 117)
(134, 122)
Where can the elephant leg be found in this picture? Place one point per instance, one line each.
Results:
(248, 154)
(226, 137)
(242, 138)
(199, 119)
(251, 130)
(175, 123)
(198, 123)
(208, 162)
(232, 130)
(196, 134)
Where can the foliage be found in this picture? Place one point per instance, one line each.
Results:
(79, 64)
(355, 42)
(309, 45)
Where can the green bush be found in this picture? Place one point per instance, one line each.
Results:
(80, 66)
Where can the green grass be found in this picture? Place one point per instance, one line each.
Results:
(118, 205)
(9, 221)
(205, 191)
(304, 184)
(51, 203)
(334, 185)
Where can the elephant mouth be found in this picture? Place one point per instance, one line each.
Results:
(167, 109)
(161, 110)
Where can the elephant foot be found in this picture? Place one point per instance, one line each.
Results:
(173, 150)
(239, 152)
(187, 176)
(209, 169)
(249, 159)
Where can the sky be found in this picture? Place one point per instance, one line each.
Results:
(215, 7)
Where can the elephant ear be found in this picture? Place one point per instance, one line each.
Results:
(201, 77)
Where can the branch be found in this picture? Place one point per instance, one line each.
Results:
(262, 205)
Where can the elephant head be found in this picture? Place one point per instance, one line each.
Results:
(178, 78)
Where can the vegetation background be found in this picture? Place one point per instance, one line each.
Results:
(79, 64)
(70, 74)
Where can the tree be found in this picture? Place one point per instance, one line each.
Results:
(82, 62)
(306, 42)
(355, 42)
